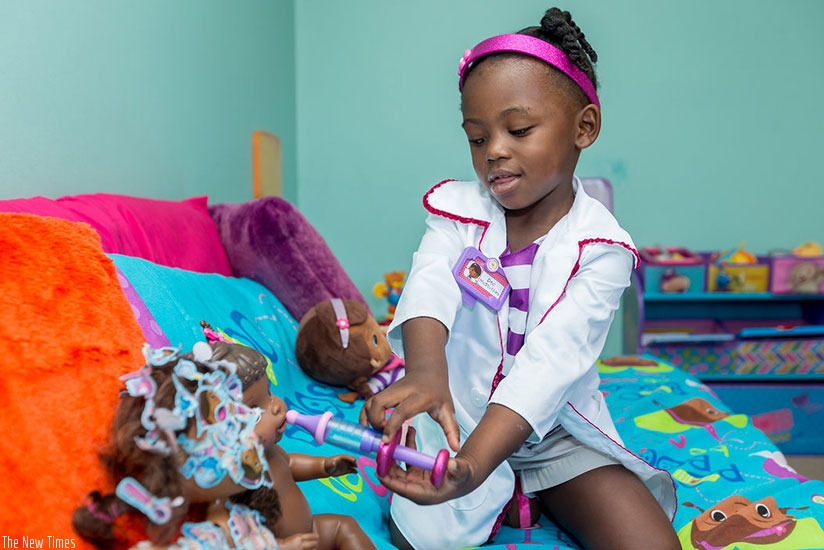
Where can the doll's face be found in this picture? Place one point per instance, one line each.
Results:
(272, 421)
(227, 444)
(375, 339)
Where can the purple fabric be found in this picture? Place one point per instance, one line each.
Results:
(514, 342)
(519, 299)
(151, 329)
(519, 296)
(269, 241)
(524, 256)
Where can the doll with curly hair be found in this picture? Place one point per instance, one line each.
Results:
(194, 454)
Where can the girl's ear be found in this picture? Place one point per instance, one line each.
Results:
(589, 126)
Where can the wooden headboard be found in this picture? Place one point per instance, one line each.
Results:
(267, 170)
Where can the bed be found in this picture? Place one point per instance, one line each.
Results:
(734, 487)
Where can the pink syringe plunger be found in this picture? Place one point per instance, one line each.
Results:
(360, 439)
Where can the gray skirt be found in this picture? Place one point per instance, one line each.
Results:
(556, 459)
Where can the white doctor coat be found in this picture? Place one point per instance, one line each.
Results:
(580, 271)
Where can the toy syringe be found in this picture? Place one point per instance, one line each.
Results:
(360, 439)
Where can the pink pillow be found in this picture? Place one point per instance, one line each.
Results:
(171, 233)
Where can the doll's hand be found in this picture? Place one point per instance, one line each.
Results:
(340, 465)
(301, 541)
(414, 393)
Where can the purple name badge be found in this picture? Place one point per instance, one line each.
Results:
(481, 278)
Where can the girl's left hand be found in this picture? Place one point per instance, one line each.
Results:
(340, 465)
(500, 433)
(415, 483)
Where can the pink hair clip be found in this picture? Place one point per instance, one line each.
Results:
(105, 517)
(157, 509)
(342, 321)
(463, 62)
(533, 47)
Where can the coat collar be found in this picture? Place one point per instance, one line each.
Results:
(462, 201)
(468, 202)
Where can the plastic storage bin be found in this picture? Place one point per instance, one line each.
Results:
(672, 270)
(797, 275)
(732, 277)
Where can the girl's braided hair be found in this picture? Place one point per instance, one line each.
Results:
(558, 28)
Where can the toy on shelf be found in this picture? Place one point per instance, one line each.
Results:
(798, 271)
(671, 270)
(737, 270)
(809, 249)
(669, 255)
(391, 290)
(734, 256)
(806, 278)
(360, 439)
(672, 282)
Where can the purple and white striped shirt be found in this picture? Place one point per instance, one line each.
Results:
(517, 267)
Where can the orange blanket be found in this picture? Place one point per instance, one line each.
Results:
(66, 333)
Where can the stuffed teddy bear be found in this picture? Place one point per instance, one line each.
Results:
(340, 343)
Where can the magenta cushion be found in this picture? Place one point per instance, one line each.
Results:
(171, 233)
(269, 241)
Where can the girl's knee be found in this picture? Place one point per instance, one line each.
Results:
(609, 507)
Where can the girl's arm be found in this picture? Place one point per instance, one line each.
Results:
(428, 305)
(557, 360)
(554, 359)
(424, 388)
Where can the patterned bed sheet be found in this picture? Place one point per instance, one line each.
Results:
(734, 487)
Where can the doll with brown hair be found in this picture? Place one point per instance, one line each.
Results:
(340, 343)
(194, 454)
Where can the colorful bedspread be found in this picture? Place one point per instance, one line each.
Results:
(735, 489)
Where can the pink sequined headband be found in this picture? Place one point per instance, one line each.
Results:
(533, 47)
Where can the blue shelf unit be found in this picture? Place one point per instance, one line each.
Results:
(761, 353)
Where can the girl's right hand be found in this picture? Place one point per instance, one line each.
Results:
(413, 394)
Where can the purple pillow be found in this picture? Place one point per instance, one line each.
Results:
(269, 241)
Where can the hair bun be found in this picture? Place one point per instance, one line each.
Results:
(561, 29)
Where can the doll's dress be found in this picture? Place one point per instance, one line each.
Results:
(392, 371)
(246, 527)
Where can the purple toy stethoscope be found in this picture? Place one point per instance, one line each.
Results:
(360, 439)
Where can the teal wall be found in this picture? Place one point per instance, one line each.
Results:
(712, 110)
(143, 97)
(712, 118)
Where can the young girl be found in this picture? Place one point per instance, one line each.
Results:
(194, 452)
(511, 385)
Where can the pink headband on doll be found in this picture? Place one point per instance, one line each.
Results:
(341, 321)
(533, 47)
